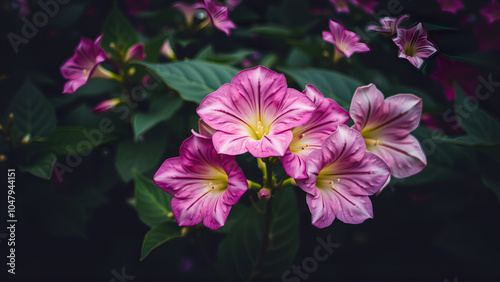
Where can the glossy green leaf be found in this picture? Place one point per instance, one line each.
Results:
(70, 140)
(40, 166)
(192, 79)
(158, 235)
(117, 30)
(152, 203)
(238, 252)
(142, 155)
(162, 108)
(337, 86)
(33, 113)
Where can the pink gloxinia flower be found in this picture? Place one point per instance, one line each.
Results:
(451, 6)
(386, 125)
(492, 11)
(347, 42)
(84, 64)
(449, 72)
(188, 10)
(106, 105)
(204, 184)
(255, 113)
(389, 25)
(309, 137)
(218, 16)
(342, 174)
(135, 52)
(413, 44)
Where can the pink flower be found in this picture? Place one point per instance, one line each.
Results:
(342, 174)
(218, 16)
(413, 44)
(106, 105)
(347, 42)
(205, 129)
(492, 11)
(24, 9)
(188, 10)
(341, 6)
(386, 125)
(451, 6)
(204, 184)
(255, 113)
(310, 136)
(167, 50)
(449, 72)
(389, 25)
(83, 65)
(137, 6)
(135, 52)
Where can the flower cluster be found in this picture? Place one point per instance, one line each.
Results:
(337, 166)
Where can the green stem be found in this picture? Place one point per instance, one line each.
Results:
(264, 244)
(253, 186)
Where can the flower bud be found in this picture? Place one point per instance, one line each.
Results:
(106, 105)
(264, 194)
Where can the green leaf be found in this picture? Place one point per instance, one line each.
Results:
(331, 84)
(117, 30)
(159, 235)
(41, 166)
(274, 31)
(238, 252)
(192, 79)
(480, 126)
(142, 156)
(70, 140)
(33, 113)
(432, 27)
(152, 203)
(162, 108)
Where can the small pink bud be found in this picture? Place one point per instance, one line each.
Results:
(105, 106)
(264, 194)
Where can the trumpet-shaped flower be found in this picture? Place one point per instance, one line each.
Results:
(389, 25)
(492, 11)
(341, 6)
(218, 16)
(106, 105)
(386, 125)
(451, 6)
(413, 44)
(254, 113)
(310, 136)
(345, 41)
(84, 64)
(205, 185)
(135, 52)
(341, 176)
(188, 10)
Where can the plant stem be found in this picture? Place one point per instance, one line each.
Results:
(264, 244)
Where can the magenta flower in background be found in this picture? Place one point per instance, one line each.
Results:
(255, 113)
(167, 50)
(84, 64)
(451, 6)
(218, 16)
(341, 6)
(309, 137)
(389, 25)
(188, 10)
(491, 12)
(449, 72)
(106, 105)
(24, 9)
(413, 44)
(205, 185)
(135, 52)
(137, 6)
(386, 125)
(346, 42)
(342, 174)
(367, 5)
(232, 4)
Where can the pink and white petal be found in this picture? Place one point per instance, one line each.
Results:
(172, 176)
(216, 211)
(323, 207)
(403, 115)
(72, 85)
(315, 163)
(135, 52)
(205, 129)
(230, 143)
(294, 110)
(404, 155)
(328, 37)
(270, 145)
(367, 106)
(337, 30)
(294, 164)
(343, 145)
(353, 209)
